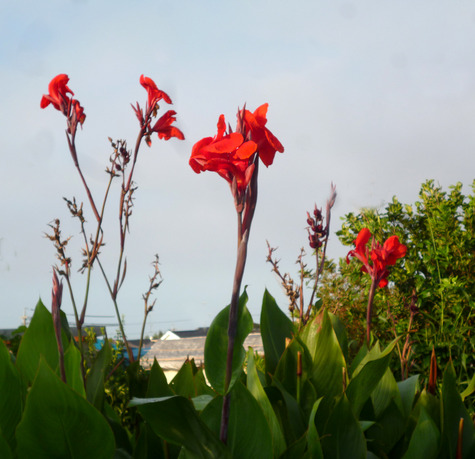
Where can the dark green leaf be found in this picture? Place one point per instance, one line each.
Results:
(176, 421)
(11, 396)
(96, 376)
(425, 439)
(275, 328)
(38, 340)
(255, 388)
(249, 435)
(57, 422)
(216, 346)
(343, 437)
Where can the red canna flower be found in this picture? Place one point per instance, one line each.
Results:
(154, 94)
(58, 94)
(227, 154)
(267, 143)
(163, 127)
(59, 98)
(380, 256)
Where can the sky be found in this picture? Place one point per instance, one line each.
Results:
(374, 96)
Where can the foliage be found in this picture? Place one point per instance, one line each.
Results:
(312, 401)
(437, 272)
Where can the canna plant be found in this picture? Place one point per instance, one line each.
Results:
(306, 397)
(122, 166)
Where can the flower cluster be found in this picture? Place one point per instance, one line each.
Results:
(58, 97)
(163, 126)
(232, 154)
(381, 256)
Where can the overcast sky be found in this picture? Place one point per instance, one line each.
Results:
(376, 96)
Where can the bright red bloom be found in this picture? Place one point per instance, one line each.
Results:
(267, 143)
(227, 154)
(154, 94)
(163, 127)
(380, 256)
(58, 94)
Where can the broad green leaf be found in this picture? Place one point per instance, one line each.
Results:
(387, 431)
(5, 451)
(57, 422)
(453, 410)
(216, 346)
(329, 362)
(309, 333)
(201, 401)
(288, 411)
(275, 328)
(176, 421)
(157, 383)
(182, 383)
(95, 378)
(11, 396)
(340, 332)
(425, 439)
(211, 414)
(249, 435)
(38, 340)
(407, 390)
(366, 377)
(314, 448)
(286, 371)
(255, 388)
(343, 437)
(469, 390)
(385, 392)
(72, 365)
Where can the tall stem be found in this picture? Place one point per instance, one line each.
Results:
(232, 330)
(369, 311)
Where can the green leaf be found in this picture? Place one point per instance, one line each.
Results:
(5, 451)
(275, 328)
(289, 412)
(96, 376)
(329, 362)
(157, 383)
(38, 340)
(249, 435)
(343, 437)
(72, 365)
(255, 388)
(182, 383)
(11, 396)
(470, 389)
(407, 390)
(201, 401)
(216, 346)
(453, 410)
(366, 378)
(57, 422)
(314, 448)
(176, 421)
(425, 439)
(385, 391)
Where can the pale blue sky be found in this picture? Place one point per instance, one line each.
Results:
(376, 96)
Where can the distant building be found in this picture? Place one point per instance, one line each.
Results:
(172, 350)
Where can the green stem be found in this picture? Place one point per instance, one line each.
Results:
(369, 311)
(116, 307)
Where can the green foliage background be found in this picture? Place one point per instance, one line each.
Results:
(439, 268)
